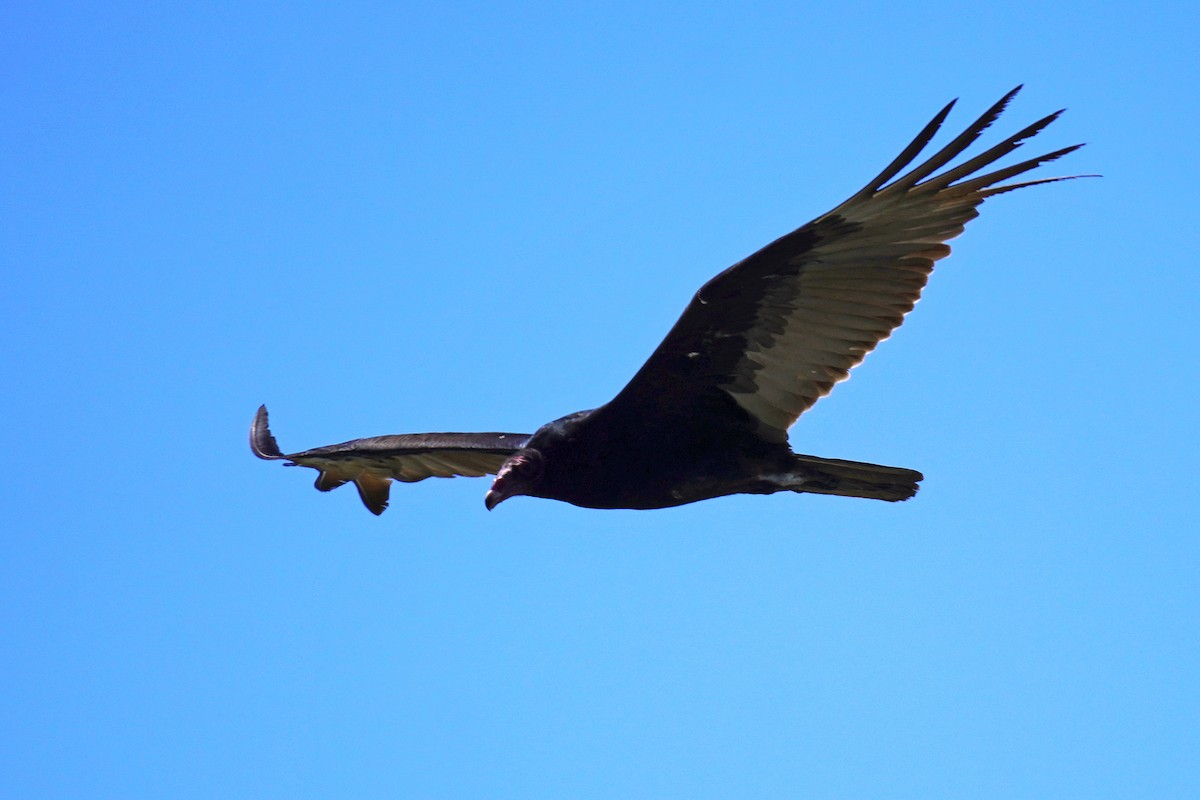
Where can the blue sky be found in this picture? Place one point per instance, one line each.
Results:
(381, 219)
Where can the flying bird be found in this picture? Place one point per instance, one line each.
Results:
(707, 415)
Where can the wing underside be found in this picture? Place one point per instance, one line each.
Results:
(372, 463)
(779, 329)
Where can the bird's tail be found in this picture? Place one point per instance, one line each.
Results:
(854, 479)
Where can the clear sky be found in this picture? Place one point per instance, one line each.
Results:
(383, 219)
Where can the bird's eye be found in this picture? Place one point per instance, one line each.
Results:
(529, 465)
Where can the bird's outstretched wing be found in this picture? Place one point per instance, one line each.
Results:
(372, 463)
(779, 329)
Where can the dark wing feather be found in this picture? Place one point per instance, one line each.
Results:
(777, 330)
(374, 462)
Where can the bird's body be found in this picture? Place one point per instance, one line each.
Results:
(602, 459)
(607, 459)
(707, 414)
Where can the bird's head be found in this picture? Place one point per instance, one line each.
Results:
(518, 475)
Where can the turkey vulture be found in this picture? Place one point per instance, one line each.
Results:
(707, 415)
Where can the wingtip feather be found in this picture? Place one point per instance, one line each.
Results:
(262, 443)
(373, 491)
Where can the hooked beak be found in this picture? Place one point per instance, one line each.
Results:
(513, 478)
(493, 498)
(502, 489)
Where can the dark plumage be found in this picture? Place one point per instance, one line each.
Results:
(707, 415)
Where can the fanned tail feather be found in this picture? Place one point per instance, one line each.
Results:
(855, 479)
